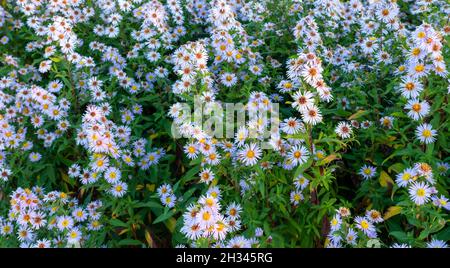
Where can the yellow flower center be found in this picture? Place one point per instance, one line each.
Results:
(406, 176)
(206, 216)
(410, 86)
(420, 192)
(419, 68)
(220, 227)
(416, 107)
(364, 224)
(426, 133)
(209, 202)
(421, 35)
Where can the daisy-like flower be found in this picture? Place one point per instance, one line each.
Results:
(291, 126)
(351, 237)
(312, 73)
(374, 216)
(417, 109)
(344, 130)
(233, 210)
(442, 168)
(387, 121)
(206, 218)
(164, 189)
(425, 133)
(64, 222)
(100, 164)
(312, 115)
(303, 101)
(335, 223)
(410, 87)
(425, 170)
(366, 226)
(250, 154)
(168, 200)
(206, 176)
(74, 236)
(418, 70)
(396, 245)
(214, 191)
(405, 177)
(210, 203)
(441, 202)
(220, 229)
(419, 192)
(119, 189)
(79, 214)
(241, 135)
(35, 156)
(228, 79)
(6, 228)
(344, 212)
(239, 242)
(301, 182)
(112, 175)
(42, 243)
(192, 230)
(45, 66)
(191, 150)
(298, 155)
(285, 86)
(367, 171)
(366, 124)
(296, 197)
(435, 243)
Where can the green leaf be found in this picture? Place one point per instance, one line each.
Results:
(303, 167)
(130, 242)
(190, 174)
(118, 223)
(164, 217)
(444, 234)
(400, 236)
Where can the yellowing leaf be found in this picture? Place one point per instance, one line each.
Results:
(148, 238)
(170, 224)
(357, 114)
(397, 167)
(153, 136)
(150, 187)
(139, 187)
(65, 177)
(55, 59)
(385, 179)
(392, 211)
(328, 159)
(392, 138)
(123, 231)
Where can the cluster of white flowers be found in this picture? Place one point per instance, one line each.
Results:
(66, 223)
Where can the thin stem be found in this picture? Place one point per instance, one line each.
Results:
(72, 84)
